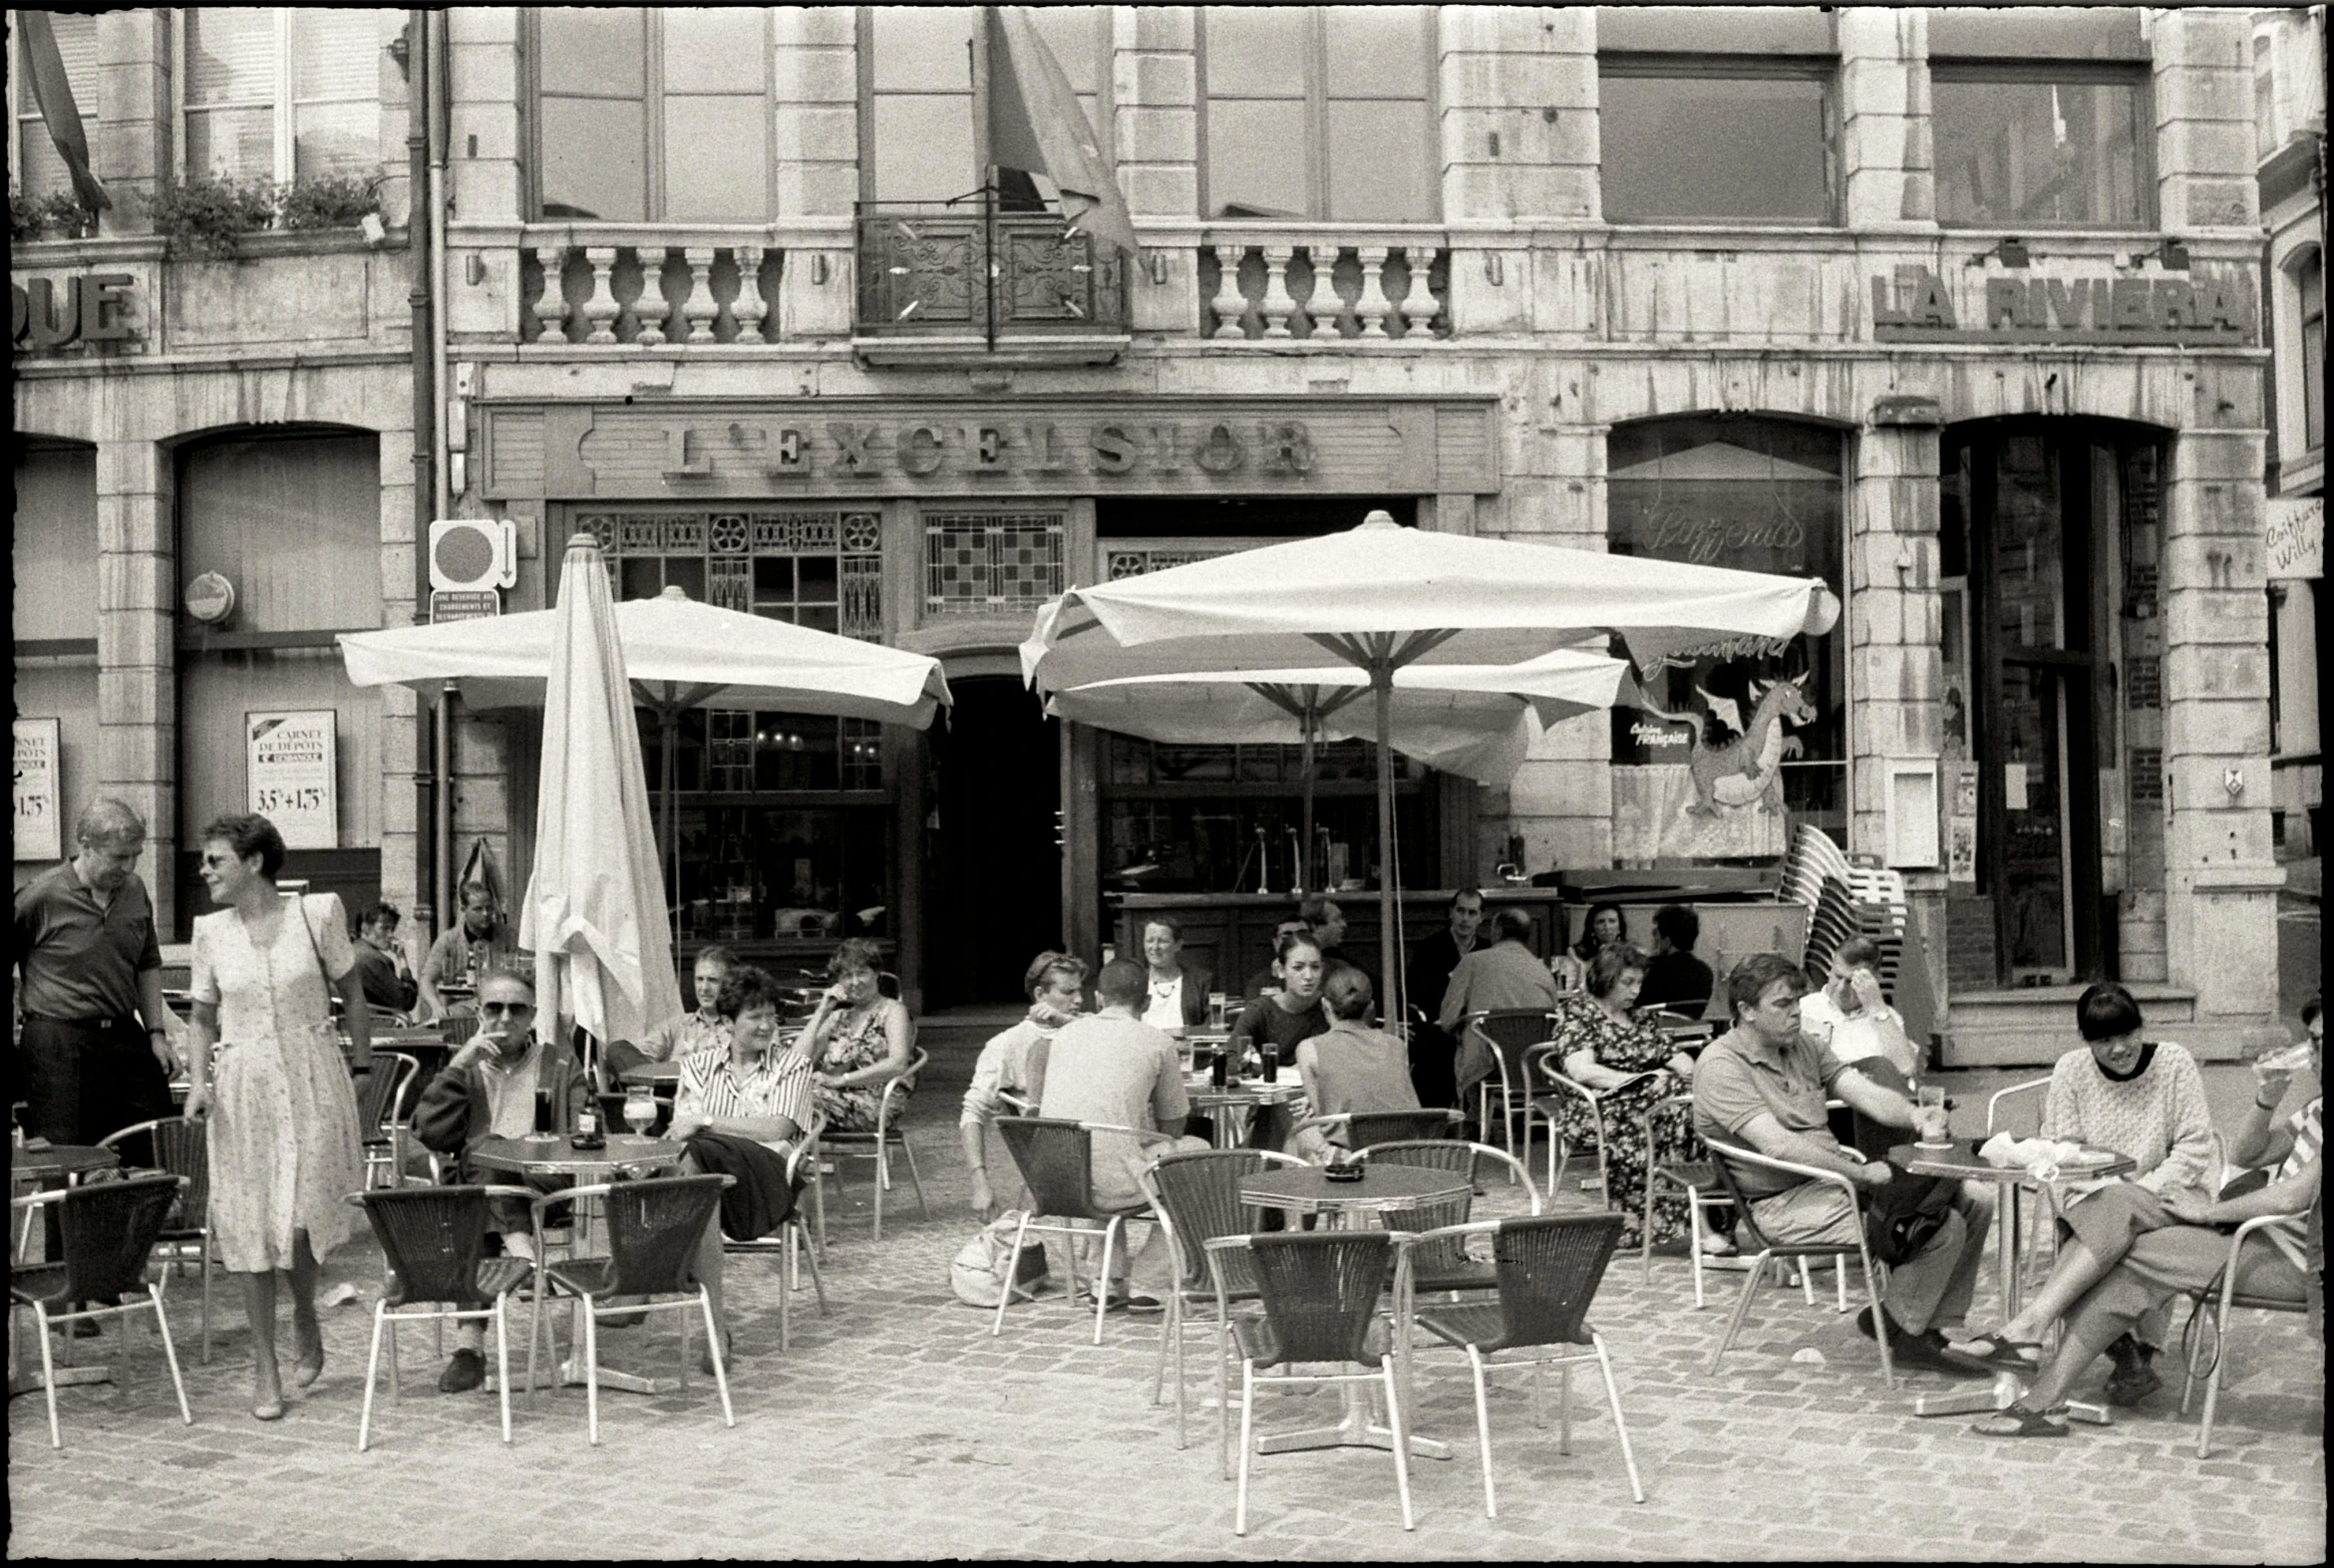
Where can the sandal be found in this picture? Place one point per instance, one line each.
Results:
(2007, 1354)
(2018, 1421)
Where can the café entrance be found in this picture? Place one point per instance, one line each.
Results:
(994, 857)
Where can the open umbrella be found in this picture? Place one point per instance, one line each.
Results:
(678, 654)
(594, 912)
(1381, 597)
(1477, 721)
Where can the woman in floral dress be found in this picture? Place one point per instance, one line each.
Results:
(1631, 1067)
(284, 1146)
(857, 1041)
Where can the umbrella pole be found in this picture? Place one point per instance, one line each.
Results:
(671, 877)
(1306, 846)
(1382, 693)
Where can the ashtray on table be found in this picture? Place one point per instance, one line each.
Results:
(1352, 1172)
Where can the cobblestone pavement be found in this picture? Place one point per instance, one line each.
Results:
(899, 1428)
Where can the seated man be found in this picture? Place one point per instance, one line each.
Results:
(1352, 1068)
(1850, 1015)
(486, 1090)
(1762, 1086)
(690, 1033)
(1113, 1068)
(381, 965)
(479, 942)
(1014, 1062)
(1676, 980)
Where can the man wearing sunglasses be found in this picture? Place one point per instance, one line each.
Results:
(491, 1088)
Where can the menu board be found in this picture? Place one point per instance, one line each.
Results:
(38, 830)
(290, 776)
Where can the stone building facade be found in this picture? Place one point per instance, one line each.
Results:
(2009, 399)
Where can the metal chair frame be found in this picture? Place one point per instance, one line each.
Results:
(1268, 1299)
(876, 1147)
(381, 1111)
(1059, 1205)
(193, 1228)
(1536, 1354)
(790, 1242)
(551, 1279)
(1876, 1287)
(1507, 1056)
(1694, 1179)
(2031, 1232)
(2223, 1296)
(1547, 1059)
(71, 1272)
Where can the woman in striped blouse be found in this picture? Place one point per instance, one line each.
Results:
(743, 1089)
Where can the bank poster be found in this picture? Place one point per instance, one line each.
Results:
(38, 828)
(290, 774)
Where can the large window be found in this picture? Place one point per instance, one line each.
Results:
(1707, 769)
(660, 112)
(35, 169)
(282, 92)
(1719, 137)
(2309, 277)
(916, 92)
(1316, 112)
(55, 552)
(2055, 143)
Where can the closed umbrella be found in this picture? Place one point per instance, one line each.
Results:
(1381, 597)
(594, 911)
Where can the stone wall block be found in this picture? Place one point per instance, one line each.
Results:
(1157, 81)
(2196, 562)
(1523, 137)
(1503, 190)
(1161, 189)
(1517, 29)
(1167, 26)
(1472, 81)
(817, 76)
(815, 26)
(483, 24)
(136, 583)
(2224, 837)
(819, 133)
(828, 189)
(2225, 672)
(2196, 617)
(2204, 728)
(134, 755)
(1158, 136)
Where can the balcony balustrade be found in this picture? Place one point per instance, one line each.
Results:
(1317, 282)
(647, 289)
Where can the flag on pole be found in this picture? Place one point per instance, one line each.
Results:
(53, 92)
(1035, 124)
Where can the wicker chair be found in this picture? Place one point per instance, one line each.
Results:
(1549, 1267)
(1363, 1129)
(654, 1229)
(1723, 1157)
(1196, 1196)
(109, 1229)
(1511, 1032)
(1055, 1161)
(385, 1094)
(877, 1145)
(434, 1241)
(183, 1149)
(1318, 1293)
(1544, 1064)
(793, 1240)
(2214, 1305)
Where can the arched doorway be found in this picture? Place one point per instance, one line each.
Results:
(994, 861)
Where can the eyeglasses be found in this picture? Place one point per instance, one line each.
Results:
(215, 861)
(502, 1009)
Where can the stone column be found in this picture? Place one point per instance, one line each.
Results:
(138, 678)
(131, 150)
(401, 709)
(818, 123)
(484, 101)
(1155, 87)
(2203, 94)
(1893, 618)
(1889, 179)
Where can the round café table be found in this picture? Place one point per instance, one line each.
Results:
(550, 1155)
(1957, 1159)
(1383, 1190)
(60, 1165)
(1240, 1095)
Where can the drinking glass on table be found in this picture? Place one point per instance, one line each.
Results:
(1217, 1001)
(1928, 1114)
(639, 1109)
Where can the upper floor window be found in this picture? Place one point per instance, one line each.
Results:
(282, 92)
(36, 169)
(1716, 136)
(2309, 278)
(653, 112)
(2054, 143)
(1316, 112)
(919, 114)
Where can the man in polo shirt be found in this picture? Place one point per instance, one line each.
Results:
(1762, 1086)
(97, 1054)
(478, 942)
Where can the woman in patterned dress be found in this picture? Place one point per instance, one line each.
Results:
(858, 1040)
(1603, 1048)
(285, 1151)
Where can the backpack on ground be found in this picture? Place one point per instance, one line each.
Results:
(978, 1272)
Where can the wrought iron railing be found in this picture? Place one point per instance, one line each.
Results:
(935, 270)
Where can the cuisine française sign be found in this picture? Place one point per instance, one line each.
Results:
(1917, 306)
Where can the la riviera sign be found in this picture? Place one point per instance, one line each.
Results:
(1917, 306)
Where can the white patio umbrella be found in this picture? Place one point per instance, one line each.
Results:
(594, 911)
(1477, 721)
(1381, 597)
(678, 654)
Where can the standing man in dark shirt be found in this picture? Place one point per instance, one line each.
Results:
(1432, 1052)
(1676, 979)
(97, 1054)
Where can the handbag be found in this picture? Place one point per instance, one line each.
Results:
(978, 1272)
(1903, 1217)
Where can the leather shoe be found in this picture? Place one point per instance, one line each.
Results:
(464, 1372)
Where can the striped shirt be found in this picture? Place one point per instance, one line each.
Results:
(2306, 1126)
(778, 1085)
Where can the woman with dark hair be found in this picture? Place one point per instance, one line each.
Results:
(2143, 1099)
(1605, 925)
(857, 1041)
(1292, 1014)
(283, 1141)
(1631, 1067)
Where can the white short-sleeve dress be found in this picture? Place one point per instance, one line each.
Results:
(284, 1143)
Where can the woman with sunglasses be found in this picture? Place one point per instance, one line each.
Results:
(283, 1141)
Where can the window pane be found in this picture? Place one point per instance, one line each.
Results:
(1074, 35)
(644, 576)
(2314, 351)
(231, 141)
(336, 53)
(732, 184)
(336, 138)
(710, 48)
(1376, 51)
(925, 49)
(231, 54)
(1713, 146)
(923, 147)
(55, 544)
(1256, 51)
(1378, 161)
(77, 45)
(594, 160)
(2041, 152)
(1257, 157)
(593, 50)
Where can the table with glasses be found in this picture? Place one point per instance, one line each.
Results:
(1384, 1190)
(1957, 1159)
(1246, 1093)
(550, 1155)
(58, 1164)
